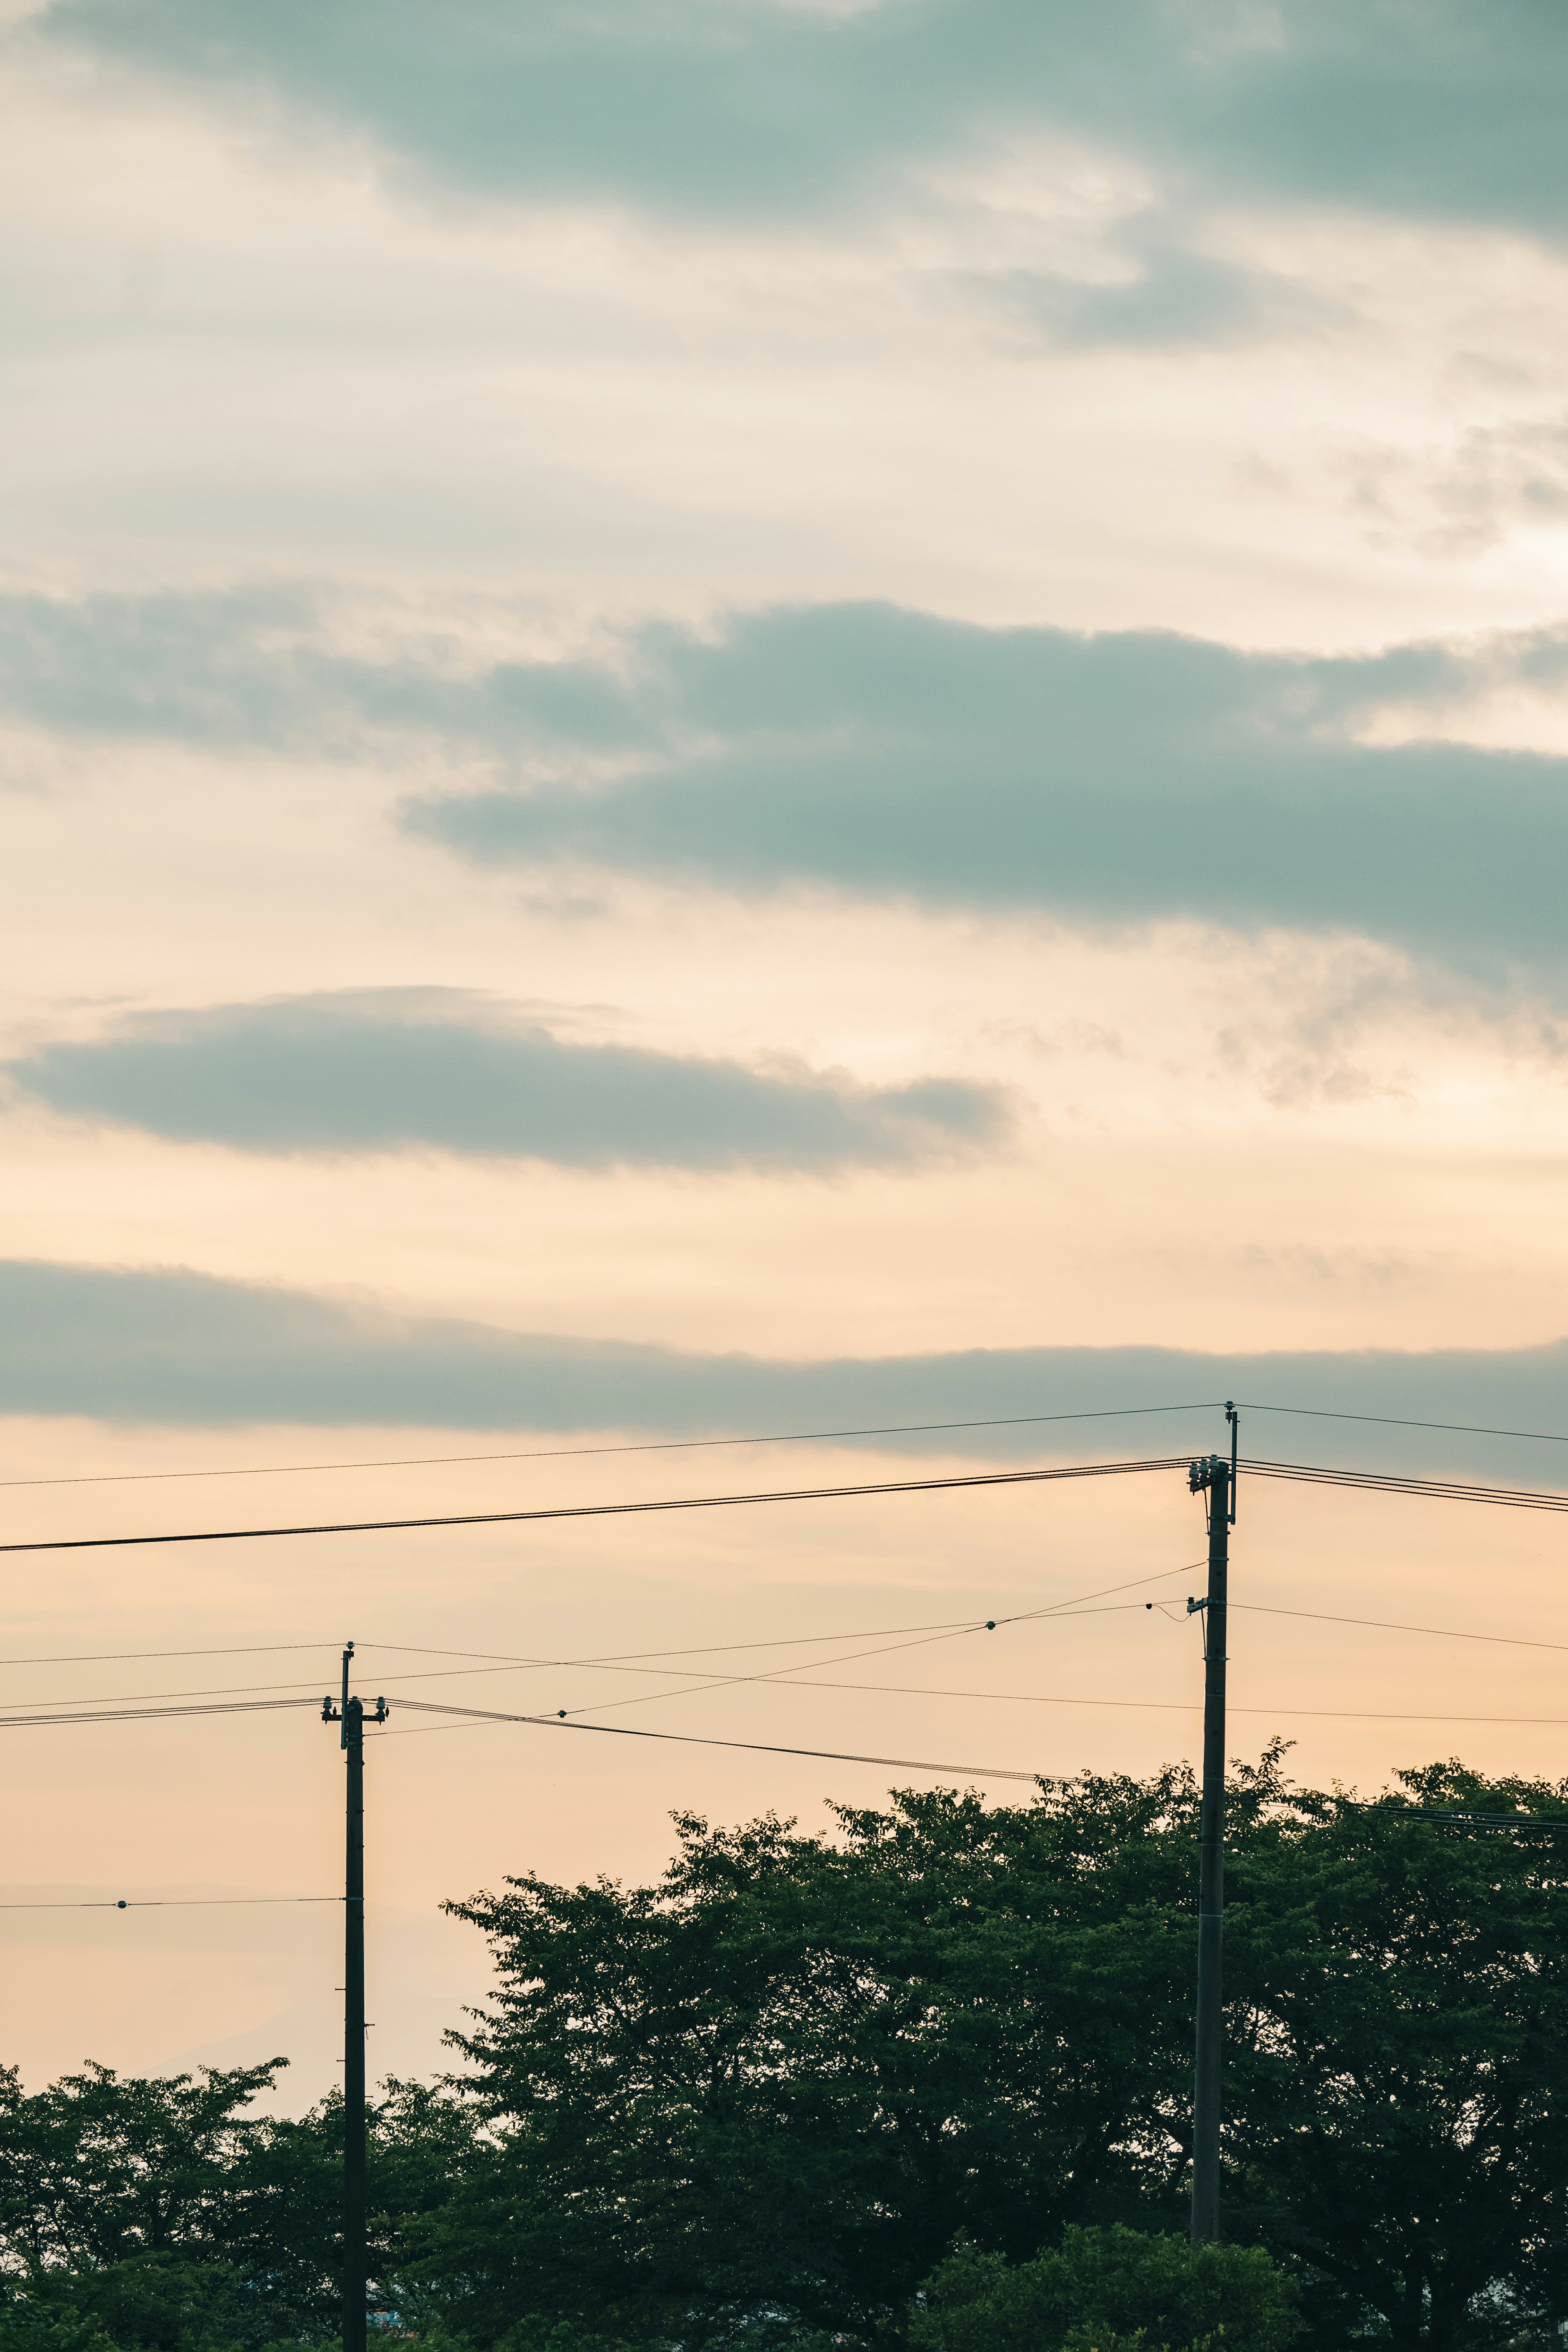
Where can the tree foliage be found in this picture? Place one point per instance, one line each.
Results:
(167, 2213)
(1398, 2076)
(765, 2100)
(1109, 2286)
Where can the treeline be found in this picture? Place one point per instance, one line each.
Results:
(922, 2081)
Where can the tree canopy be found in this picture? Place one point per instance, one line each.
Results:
(920, 2078)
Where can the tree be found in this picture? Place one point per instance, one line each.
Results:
(780, 2082)
(143, 2209)
(1100, 2285)
(160, 2213)
(776, 2087)
(767, 2096)
(1398, 2092)
(99, 2168)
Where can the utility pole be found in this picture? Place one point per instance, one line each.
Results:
(1215, 1478)
(350, 1715)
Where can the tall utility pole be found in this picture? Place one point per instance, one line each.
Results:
(1215, 1478)
(350, 1715)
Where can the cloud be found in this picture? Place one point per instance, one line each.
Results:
(395, 1069)
(169, 1346)
(1171, 296)
(1448, 108)
(1119, 778)
(191, 669)
(873, 751)
(1470, 496)
(257, 667)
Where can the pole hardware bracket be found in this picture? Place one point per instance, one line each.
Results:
(1194, 1606)
(332, 1713)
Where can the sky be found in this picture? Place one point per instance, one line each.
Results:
(743, 718)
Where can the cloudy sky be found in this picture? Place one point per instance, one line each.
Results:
(744, 717)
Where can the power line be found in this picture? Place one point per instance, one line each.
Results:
(477, 1717)
(1077, 1604)
(511, 1658)
(123, 1657)
(951, 1630)
(1375, 1481)
(1390, 1625)
(1074, 1604)
(150, 1714)
(480, 1716)
(710, 1649)
(730, 1681)
(1388, 1482)
(170, 1902)
(500, 1659)
(694, 1739)
(1393, 1421)
(45, 1708)
(615, 1510)
(770, 1437)
(625, 1662)
(579, 1453)
(789, 1641)
(1060, 1610)
(1166, 1706)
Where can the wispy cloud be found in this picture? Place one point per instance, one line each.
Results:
(380, 1070)
(1167, 294)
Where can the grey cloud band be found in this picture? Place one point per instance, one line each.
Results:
(878, 751)
(395, 1069)
(171, 1347)
(1453, 109)
(1113, 778)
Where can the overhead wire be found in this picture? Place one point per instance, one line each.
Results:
(178, 1702)
(580, 1453)
(1167, 1706)
(613, 1510)
(1393, 1625)
(163, 1705)
(706, 1649)
(988, 1624)
(1388, 1482)
(1519, 1498)
(1081, 1604)
(1396, 1421)
(497, 1665)
(696, 1739)
(170, 1902)
(479, 1715)
(113, 1714)
(68, 1708)
(499, 1658)
(121, 1657)
(769, 1437)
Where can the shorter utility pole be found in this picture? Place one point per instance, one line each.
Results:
(350, 1715)
(1215, 1478)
